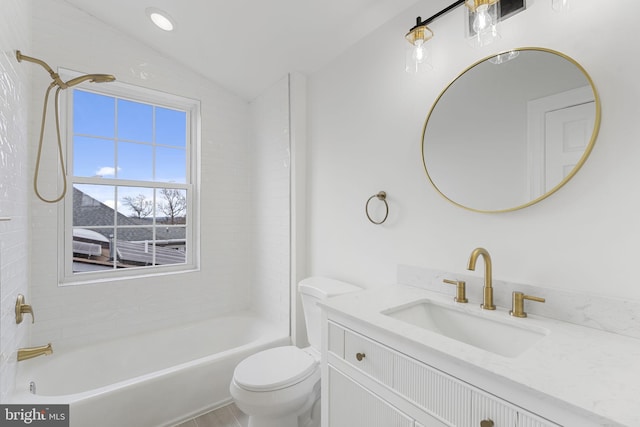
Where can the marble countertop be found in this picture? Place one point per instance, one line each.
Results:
(595, 371)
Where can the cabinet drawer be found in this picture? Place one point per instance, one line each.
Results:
(369, 357)
(351, 405)
(433, 391)
(336, 340)
(487, 407)
(527, 419)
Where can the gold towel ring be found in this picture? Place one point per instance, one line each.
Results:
(381, 196)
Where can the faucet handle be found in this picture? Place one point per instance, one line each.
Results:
(22, 308)
(460, 290)
(517, 307)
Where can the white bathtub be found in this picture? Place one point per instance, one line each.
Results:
(150, 380)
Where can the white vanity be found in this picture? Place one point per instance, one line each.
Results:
(386, 363)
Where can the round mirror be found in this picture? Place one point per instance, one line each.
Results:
(510, 130)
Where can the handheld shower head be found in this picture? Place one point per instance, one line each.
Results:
(93, 78)
(57, 81)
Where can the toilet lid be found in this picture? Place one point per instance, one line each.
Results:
(274, 369)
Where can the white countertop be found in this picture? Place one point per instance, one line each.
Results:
(595, 371)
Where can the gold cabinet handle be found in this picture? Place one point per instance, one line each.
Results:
(460, 290)
(486, 423)
(360, 356)
(22, 308)
(517, 306)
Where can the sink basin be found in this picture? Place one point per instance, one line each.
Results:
(503, 338)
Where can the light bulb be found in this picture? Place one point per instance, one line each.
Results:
(418, 51)
(482, 20)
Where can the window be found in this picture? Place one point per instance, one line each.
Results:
(132, 167)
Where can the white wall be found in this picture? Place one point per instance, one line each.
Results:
(72, 315)
(14, 234)
(365, 123)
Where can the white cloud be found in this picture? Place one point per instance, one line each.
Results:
(106, 171)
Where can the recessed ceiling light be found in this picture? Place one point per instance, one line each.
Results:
(160, 18)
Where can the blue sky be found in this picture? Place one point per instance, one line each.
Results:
(118, 138)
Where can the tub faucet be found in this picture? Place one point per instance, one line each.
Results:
(31, 352)
(488, 288)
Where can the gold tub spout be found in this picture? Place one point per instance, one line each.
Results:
(31, 352)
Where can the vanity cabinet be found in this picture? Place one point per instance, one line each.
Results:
(354, 406)
(369, 384)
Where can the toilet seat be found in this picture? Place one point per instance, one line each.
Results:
(274, 369)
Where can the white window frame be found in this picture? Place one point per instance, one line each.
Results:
(65, 212)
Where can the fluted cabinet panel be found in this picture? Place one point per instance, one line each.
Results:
(439, 394)
(376, 360)
(527, 419)
(487, 407)
(351, 405)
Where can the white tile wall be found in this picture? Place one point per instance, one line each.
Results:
(231, 230)
(76, 315)
(270, 173)
(14, 234)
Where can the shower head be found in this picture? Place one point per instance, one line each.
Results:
(57, 81)
(93, 78)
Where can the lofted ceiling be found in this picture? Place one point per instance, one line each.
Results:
(248, 45)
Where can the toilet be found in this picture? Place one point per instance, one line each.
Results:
(280, 387)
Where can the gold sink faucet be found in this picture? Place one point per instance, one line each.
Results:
(31, 352)
(488, 288)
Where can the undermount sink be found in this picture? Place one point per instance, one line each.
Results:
(503, 338)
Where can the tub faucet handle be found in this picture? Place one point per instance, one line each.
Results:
(22, 308)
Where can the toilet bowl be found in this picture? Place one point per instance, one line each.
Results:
(280, 387)
(277, 386)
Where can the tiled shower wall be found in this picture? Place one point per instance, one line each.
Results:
(14, 182)
(78, 315)
(269, 205)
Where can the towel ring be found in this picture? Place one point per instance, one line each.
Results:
(381, 196)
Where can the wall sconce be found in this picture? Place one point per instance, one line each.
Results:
(418, 55)
(481, 20)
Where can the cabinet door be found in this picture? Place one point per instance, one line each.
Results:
(351, 405)
(487, 407)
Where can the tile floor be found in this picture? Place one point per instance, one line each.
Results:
(227, 416)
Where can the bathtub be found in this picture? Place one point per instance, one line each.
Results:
(155, 379)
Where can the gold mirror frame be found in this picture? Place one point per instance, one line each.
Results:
(583, 159)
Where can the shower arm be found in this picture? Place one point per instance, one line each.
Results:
(55, 76)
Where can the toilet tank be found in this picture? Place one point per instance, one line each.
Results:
(315, 289)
